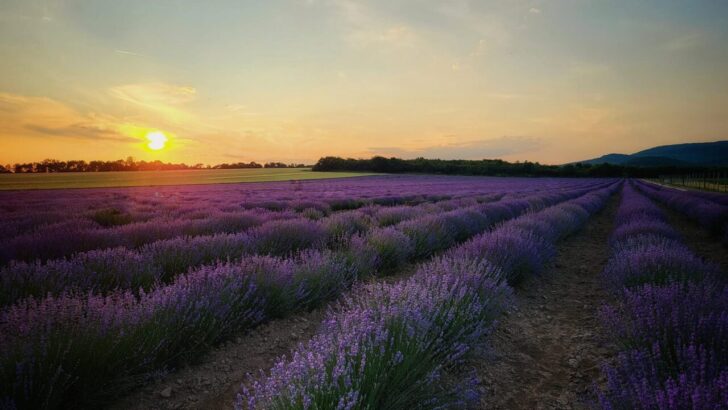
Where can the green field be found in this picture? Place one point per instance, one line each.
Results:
(152, 178)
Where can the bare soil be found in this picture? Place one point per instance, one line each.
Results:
(548, 351)
(214, 382)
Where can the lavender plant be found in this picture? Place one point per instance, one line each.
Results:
(386, 340)
(390, 345)
(671, 320)
(79, 346)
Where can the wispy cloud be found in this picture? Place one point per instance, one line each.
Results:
(130, 53)
(150, 94)
(82, 131)
(159, 98)
(534, 10)
(43, 117)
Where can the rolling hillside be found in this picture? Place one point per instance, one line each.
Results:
(691, 154)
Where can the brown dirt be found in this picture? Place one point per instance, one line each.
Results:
(547, 353)
(214, 381)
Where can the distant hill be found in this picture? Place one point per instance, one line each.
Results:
(679, 155)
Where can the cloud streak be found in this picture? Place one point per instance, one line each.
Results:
(130, 53)
(41, 117)
(162, 99)
(154, 94)
(81, 131)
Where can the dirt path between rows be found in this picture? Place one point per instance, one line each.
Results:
(547, 353)
(214, 382)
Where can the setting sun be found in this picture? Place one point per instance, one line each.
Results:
(157, 140)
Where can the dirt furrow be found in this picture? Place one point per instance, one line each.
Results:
(547, 352)
(215, 380)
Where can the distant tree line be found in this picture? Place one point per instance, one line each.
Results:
(492, 167)
(129, 164)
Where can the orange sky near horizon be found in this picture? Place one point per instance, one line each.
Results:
(291, 81)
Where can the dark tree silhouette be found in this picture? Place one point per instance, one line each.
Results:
(493, 167)
(129, 164)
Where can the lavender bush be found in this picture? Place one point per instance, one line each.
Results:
(668, 319)
(391, 345)
(708, 211)
(657, 263)
(671, 320)
(638, 382)
(105, 332)
(385, 340)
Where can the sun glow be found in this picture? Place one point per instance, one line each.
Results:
(157, 140)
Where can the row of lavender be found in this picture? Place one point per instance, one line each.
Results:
(63, 229)
(161, 261)
(105, 270)
(402, 345)
(710, 210)
(79, 234)
(121, 212)
(79, 347)
(23, 211)
(670, 321)
(68, 238)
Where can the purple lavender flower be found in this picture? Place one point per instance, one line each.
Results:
(382, 341)
(656, 264)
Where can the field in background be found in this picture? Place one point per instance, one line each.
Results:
(152, 178)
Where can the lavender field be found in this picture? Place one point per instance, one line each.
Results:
(119, 298)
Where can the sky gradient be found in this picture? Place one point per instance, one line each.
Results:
(291, 81)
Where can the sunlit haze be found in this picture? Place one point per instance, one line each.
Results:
(227, 81)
